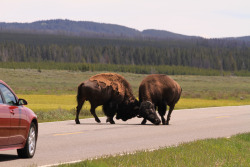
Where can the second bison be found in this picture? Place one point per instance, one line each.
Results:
(158, 90)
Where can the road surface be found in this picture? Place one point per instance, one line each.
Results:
(61, 142)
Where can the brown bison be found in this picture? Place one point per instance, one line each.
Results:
(158, 90)
(113, 92)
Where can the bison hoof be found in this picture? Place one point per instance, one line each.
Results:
(110, 120)
(98, 120)
(77, 121)
(166, 123)
(144, 122)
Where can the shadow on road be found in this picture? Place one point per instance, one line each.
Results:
(98, 124)
(6, 157)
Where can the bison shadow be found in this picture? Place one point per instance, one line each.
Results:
(99, 124)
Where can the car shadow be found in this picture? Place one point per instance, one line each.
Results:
(7, 157)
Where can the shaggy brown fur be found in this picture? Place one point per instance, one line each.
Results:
(117, 82)
(160, 90)
(110, 90)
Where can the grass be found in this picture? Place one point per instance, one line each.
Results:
(234, 151)
(62, 107)
(61, 82)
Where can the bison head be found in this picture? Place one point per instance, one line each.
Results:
(127, 111)
(147, 111)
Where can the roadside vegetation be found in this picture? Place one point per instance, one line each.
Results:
(233, 151)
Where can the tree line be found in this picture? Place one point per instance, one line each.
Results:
(139, 69)
(217, 54)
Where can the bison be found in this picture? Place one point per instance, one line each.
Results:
(113, 92)
(158, 90)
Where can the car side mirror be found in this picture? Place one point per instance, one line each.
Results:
(22, 102)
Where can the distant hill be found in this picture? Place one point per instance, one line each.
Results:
(67, 27)
(93, 29)
(86, 28)
(161, 34)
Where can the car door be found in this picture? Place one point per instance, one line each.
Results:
(4, 123)
(17, 117)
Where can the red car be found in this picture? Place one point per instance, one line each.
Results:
(18, 124)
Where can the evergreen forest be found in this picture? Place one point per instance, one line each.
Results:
(223, 55)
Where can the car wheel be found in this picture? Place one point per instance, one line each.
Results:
(30, 147)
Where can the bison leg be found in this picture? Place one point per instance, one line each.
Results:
(92, 110)
(169, 114)
(144, 121)
(80, 103)
(162, 111)
(109, 110)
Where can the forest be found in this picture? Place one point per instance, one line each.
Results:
(209, 54)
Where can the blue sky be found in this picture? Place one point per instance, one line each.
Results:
(213, 18)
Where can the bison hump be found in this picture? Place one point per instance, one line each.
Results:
(115, 81)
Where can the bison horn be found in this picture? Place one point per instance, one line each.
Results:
(149, 102)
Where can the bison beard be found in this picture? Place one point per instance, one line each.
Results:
(160, 91)
(110, 90)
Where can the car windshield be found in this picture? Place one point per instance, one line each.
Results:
(8, 95)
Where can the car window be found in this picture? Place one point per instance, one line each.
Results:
(8, 95)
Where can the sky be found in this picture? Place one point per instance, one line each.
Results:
(209, 19)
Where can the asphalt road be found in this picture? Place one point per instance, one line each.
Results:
(60, 142)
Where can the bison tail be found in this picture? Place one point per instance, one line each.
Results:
(79, 94)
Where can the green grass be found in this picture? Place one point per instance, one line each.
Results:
(234, 151)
